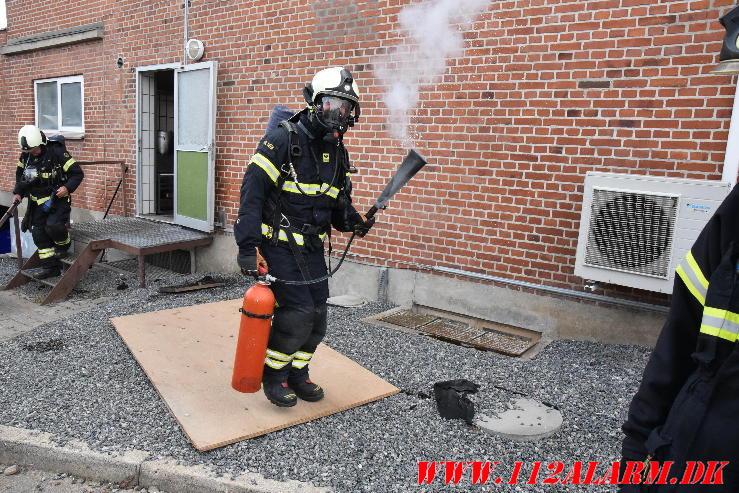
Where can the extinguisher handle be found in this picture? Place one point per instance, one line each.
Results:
(261, 270)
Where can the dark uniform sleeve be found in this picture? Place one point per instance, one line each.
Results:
(670, 363)
(20, 187)
(344, 218)
(259, 180)
(72, 171)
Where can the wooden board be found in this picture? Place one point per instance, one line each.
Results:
(188, 353)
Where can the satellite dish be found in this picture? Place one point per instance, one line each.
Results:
(194, 49)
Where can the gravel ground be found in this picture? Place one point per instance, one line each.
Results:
(87, 386)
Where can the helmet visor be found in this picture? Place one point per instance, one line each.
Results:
(336, 110)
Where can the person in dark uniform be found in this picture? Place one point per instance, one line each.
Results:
(295, 188)
(48, 175)
(687, 404)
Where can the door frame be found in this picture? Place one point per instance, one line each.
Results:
(139, 70)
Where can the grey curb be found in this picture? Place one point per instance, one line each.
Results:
(36, 449)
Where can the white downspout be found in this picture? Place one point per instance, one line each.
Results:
(184, 44)
(731, 160)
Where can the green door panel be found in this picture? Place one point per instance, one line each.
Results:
(192, 184)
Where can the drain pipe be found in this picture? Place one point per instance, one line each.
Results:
(554, 290)
(184, 44)
(570, 293)
(731, 159)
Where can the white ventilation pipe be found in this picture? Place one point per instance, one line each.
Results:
(731, 160)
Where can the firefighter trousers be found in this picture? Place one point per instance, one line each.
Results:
(300, 318)
(49, 231)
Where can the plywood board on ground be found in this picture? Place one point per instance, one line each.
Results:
(188, 353)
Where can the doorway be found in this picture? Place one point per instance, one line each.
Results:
(156, 144)
(175, 116)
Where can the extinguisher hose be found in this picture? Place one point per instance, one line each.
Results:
(269, 278)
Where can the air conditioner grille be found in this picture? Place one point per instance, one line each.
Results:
(631, 231)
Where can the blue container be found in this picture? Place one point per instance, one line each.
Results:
(5, 240)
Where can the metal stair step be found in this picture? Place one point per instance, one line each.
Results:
(51, 281)
(102, 265)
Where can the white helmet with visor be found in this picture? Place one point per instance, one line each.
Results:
(334, 95)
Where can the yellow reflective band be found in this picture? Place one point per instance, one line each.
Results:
(66, 241)
(716, 332)
(46, 253)
(722, 314)
(689, 284)
(21, 165)
(68, 164)
(267, 231)
(310, 188)
(299, 364)
(39, 201)
(275, 364)
(278, 355)
(303, 356)
(266, 165)
(697, 270)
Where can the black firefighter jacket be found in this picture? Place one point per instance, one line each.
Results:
(687, 406)
(54, 168)
(321, 167)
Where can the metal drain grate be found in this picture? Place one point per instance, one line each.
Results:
(452, 329)
(504, 339)
(505, 343)
(408, 319)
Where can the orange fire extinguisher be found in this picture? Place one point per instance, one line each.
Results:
(256, 319)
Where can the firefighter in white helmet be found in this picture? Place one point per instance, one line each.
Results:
(296, 187)
(47, 175)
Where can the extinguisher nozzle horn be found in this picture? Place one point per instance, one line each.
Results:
(411, 165)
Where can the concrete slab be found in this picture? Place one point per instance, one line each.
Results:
(21, 314)
(347, 301)
(525, 420)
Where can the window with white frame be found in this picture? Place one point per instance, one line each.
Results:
(59, 105)
(3, 17)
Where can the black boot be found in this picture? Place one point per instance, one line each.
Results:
(279, 393)
(304, 387)
(47, 272)
(274, 384)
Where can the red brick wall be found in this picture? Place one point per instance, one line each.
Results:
(547, 90)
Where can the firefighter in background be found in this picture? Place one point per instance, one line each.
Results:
(296, 187)
(47, 175)
(687, 405)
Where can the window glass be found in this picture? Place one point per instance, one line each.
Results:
(72, 105)
(47, 106)
(59, 105)
(193, 88)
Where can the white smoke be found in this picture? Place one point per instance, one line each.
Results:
(430, 36)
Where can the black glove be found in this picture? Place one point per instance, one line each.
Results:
(248, 263)
(363, 227)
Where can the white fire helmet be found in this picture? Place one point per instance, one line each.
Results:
(334, 81)
(30, 136)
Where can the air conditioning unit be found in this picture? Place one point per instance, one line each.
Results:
(635, 230)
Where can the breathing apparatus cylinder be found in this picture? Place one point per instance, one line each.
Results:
(256, 319)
